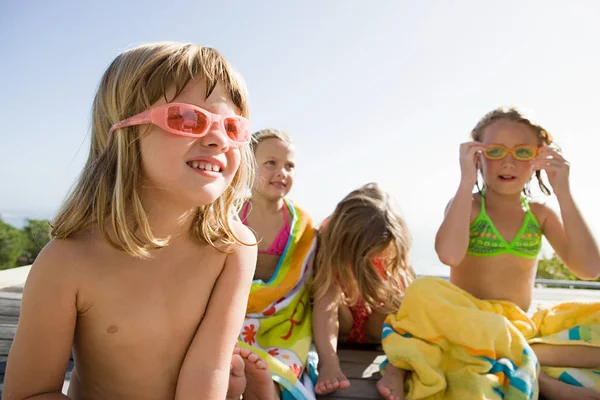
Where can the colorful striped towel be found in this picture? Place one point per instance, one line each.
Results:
(278, 325)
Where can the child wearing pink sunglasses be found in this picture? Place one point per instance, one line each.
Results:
(148, 274)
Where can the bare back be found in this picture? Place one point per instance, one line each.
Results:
(500, 277)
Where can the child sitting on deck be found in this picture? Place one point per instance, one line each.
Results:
(148, 273)
(475, 339)
(276, 335)
(361, 273)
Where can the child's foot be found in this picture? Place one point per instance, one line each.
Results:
(259, 384)
(391, 385)
(331, 378)
(237, 377)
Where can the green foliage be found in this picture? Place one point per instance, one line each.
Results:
(37, 235)
(553, 268)
(21, 247)
(12, 245)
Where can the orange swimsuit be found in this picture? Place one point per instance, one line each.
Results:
(361, 310)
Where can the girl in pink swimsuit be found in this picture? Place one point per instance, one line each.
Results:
(361, 272)
(278, 245)
(266, 213)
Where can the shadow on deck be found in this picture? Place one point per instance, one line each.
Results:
(360, 364)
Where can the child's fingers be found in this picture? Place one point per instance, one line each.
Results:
(550, 162)
(551, 152)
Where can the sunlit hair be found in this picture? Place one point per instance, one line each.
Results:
(515, 115)
(262, 135)
(106, 194)
(364, 224)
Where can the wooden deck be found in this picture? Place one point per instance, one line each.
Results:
(10, 305)
(359, 363)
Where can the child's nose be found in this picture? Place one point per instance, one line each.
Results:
(509, 160)
(216, 137)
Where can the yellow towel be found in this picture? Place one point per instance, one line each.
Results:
(460, 347)
(570, 324)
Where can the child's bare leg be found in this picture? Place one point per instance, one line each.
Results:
(237, 377)
(331, 377)
(566, 356)
(553, 389)
(374, 326)
(391, 385)
(259, 384)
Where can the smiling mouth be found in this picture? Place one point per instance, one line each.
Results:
(507, 177)
(206, 166)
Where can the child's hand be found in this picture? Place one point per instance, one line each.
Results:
(556, 167)
(468, 162)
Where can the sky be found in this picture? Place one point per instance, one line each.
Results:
(379, 91)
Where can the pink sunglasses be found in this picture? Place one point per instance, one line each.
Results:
(189, 120)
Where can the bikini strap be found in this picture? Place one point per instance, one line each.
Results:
(525, 204)
(482, 202)
(285, 213)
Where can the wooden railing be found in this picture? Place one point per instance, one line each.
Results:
(554, 283)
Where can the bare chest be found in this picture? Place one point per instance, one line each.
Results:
(149, 312)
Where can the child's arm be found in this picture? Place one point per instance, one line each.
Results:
(573, 241)
(452, 239)
(326, 326)
(40, 351)
(205, 370)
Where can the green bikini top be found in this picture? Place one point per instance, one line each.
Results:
(485, 240)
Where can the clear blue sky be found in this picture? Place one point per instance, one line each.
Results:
(370, 91)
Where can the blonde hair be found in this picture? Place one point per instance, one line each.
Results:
(364, 224)
(262, 135)
(514, 114)
(106, 194)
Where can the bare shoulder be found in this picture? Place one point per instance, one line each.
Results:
(247, 249)
(58, 273)
(475, 205)
(62, 257)
(69, 260)
(242, 232)
(542, 212)
(545, 215)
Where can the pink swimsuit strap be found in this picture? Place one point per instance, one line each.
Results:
(278, 246)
